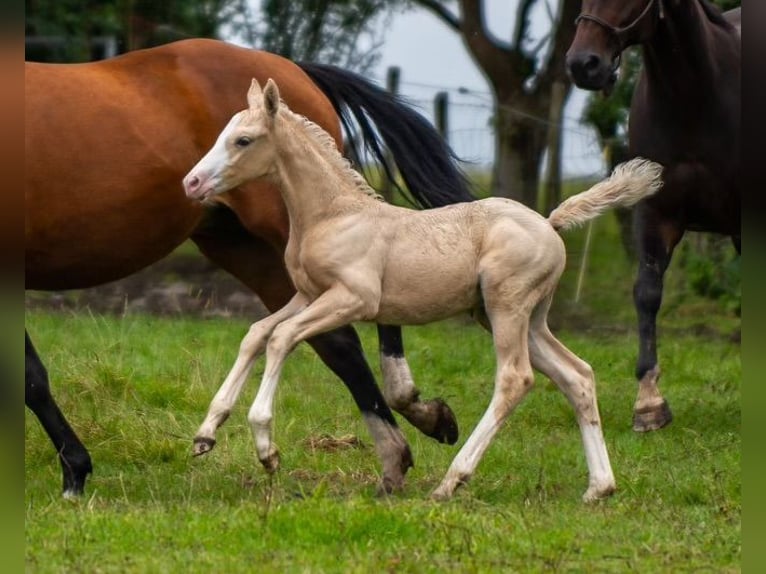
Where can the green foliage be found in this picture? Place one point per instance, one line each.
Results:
(347, 34)
(713, 270)
(134, 23)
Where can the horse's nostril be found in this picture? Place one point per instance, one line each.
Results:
(592, 62)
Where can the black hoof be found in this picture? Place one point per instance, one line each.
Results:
(202, 445)
(446, 429)
(76, 471)
(652, 418)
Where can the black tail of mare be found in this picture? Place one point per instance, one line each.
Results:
(409, 137)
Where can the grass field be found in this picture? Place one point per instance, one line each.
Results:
(137, 387)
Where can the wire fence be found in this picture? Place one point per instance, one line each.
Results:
(471, 134)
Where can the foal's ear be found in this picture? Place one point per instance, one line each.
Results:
(254, 94)
(271, 98)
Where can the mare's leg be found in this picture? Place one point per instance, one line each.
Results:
(250, 349)
(656, 241)
(575, 379)
(75, 460)
(513, 379)
(737, 241)
(433, 418)
(332, 309)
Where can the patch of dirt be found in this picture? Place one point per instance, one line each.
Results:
(330, 443)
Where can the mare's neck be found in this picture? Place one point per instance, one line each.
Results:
(678, 59)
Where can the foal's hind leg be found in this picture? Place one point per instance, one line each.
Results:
(434, 417)
(514, 378)
(75, 460)
(575, 379)
(656, 241)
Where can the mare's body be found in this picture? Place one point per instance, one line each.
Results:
(106, 146)
(685, 115)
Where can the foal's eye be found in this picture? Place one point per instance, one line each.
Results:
(243, 141)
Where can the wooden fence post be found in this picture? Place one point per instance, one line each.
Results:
(441, 103)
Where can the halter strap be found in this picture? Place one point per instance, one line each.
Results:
(620, 34)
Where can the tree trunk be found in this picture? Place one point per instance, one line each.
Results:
(519, 147)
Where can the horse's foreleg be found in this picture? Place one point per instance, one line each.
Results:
(333, 309)
(250, 349)
(259, 265)
(434, 417)
(656, 242)
(513, 379)
(575, 379)
(75, 460)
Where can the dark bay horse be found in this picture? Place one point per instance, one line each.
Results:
(685, 115)
(107, 144)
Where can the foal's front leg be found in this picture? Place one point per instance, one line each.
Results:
(250, 349)
(334, 308)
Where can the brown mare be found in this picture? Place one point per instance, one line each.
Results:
(107, 145)
(685, 115)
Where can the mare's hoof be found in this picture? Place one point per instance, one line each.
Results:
(202, 445)
(393, 480)
(389, 486)
(652, 418)
(445, 429)
(271, 462)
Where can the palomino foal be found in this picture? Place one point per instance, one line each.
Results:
(355, 258)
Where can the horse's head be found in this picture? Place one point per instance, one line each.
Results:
(244, 150)
(604, 29)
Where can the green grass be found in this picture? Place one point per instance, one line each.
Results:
(136, 389)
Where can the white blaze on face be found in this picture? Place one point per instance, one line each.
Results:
(204, 179)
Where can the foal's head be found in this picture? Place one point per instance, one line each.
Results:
(244, 150)
(604, 29)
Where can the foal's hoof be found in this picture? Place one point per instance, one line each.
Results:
(202, 445)
(445, 428)
(598, 492)
(651, 418)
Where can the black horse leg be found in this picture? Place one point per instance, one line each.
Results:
(433, 418)
(341, 350)
(656, 242)
(74, 457)
(737, 241)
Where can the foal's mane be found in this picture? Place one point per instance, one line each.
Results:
(328, 148)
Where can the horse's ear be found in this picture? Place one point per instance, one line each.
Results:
(254, 94)
(271, 98)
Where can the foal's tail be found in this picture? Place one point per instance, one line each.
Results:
(426, 163)
(629, 183)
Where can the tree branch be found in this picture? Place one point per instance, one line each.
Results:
(522, 22)
(441, 11)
